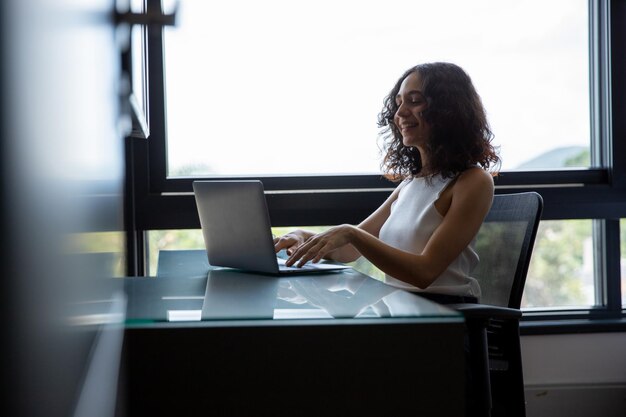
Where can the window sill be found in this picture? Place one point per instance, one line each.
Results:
(571, 326)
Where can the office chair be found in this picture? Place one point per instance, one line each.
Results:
(504, 245)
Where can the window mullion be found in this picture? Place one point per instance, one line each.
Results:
(607, 246)
(600, 83)
(156, 96)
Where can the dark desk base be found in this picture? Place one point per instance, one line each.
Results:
(297, 368)
(317, 368)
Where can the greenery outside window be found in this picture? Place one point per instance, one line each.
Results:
(561, 272)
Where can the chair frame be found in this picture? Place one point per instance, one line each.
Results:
(490, 323)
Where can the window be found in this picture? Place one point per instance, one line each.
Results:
(135, 66)
(561, 272)
(307, 80)
(192, 240)
(171, 240)
(555, 138)
(104, 252)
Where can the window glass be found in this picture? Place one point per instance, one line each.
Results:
(138, 61)
(170, 240)
(137, 48)
(281, 87)
(104, 251)
(561, 272)
(192, 239)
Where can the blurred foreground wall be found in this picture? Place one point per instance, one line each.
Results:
(61, 186)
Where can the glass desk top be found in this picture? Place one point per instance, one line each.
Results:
(187, 289)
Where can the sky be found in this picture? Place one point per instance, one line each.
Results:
(284, 87)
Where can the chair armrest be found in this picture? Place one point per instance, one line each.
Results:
(484, 311)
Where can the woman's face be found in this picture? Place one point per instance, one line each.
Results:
(408, 118)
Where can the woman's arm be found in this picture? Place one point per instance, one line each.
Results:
(472, 195)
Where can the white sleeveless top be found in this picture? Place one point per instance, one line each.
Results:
(412, 221)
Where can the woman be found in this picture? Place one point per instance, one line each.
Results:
(439, 147)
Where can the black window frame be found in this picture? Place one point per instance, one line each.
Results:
(599, 193)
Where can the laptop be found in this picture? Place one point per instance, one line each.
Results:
(237, 230)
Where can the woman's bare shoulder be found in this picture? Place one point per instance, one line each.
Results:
(474, 183)
(475, 177)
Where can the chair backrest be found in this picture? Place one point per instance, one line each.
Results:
(505, 244)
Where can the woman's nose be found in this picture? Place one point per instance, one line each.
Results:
(402, 110)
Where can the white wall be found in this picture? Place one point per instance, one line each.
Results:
(575, 375)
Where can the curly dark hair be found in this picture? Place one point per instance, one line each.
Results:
(460, 134)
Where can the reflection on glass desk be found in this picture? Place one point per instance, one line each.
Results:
(225, 294)
(216, 341)
(350, 294)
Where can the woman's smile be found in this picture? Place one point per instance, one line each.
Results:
(411, 105)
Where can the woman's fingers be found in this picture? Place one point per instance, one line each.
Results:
(298, 253)
(285, 242)
(306, 252)
(321, 253)
(318, 246)
(295, 256)
(310, 254)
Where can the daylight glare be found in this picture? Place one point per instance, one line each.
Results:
(283, 87)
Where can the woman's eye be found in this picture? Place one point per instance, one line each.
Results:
(412, 101)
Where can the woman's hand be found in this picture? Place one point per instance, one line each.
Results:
(318, 246)
(291, 241)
